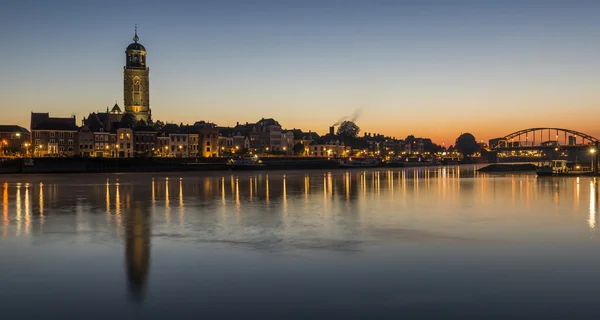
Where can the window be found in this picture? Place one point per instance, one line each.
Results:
(173, 148)
(207, 143)
(61, 141)
(51, 134)
(183, 138)
(61, 134)
(36, 134)
(70, 142)
(37, 141)
(61, 149)
(128, 136)
(52, 141)
(121, 136)
(128, 145)
(121, 145)
(207, 149)
(137, 92)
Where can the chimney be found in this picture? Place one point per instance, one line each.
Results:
(332, 130)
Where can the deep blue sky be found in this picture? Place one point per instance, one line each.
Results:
(430, 68)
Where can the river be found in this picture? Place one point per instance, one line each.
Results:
(405, 243)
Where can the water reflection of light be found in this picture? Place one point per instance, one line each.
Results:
(18, 208)
(324, 188)
(364, 183)
(181, 208)
(117, 199)
(153, 193)
(347, 185)
(576, 197)
(378, 185)
(251, 187)
(390, 178)
(330, 184)
(107, 200)
(41, 204)
(306, 186)
(167, 203)
(593, 204)
(237, 196)
(27, 209)
(223, 201)
(5, 208)
(284, 196)
(266, 187)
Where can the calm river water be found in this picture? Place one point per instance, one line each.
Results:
(407, 243)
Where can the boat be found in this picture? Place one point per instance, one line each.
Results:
(252, 163)
(412, 162)
(359, 163)
(552, 168)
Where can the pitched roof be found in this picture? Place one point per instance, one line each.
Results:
(94, 123)
(116, 109)
(37, 118)
(55, 124)
(13, 128)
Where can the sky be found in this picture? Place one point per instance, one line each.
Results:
(428, 68)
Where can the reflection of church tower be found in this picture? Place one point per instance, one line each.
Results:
(136, 82)
(137, 248)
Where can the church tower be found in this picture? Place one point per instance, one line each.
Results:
(136, 82)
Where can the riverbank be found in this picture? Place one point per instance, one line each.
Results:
(116, 165)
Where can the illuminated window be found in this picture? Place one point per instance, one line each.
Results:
(137, 92)
(129, 136)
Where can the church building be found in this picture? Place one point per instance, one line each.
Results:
(136, 83)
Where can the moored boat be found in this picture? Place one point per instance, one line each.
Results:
(252, 163)
(359, 163)
(412, 162)
(554, 167)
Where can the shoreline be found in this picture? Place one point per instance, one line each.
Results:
(133, 165)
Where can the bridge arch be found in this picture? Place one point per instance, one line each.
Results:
(545, 135)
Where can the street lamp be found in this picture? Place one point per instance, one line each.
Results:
(592, 153)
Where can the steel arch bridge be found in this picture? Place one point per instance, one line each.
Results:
(544, 137)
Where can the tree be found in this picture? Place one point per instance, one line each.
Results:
(348, 129)
(128, 121)
(299, 148)
(466, 144)
(158, 125)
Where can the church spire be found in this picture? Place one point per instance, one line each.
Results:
(135, 37)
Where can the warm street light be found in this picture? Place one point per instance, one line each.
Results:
(592, 153)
